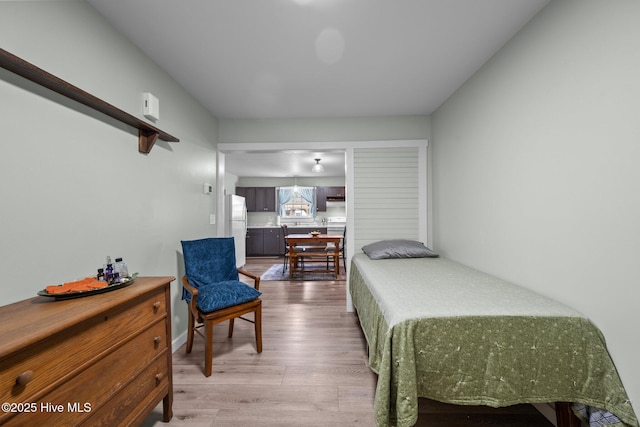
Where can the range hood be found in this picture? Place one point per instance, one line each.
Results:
(336, 205)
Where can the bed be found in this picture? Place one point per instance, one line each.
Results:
(441, 330)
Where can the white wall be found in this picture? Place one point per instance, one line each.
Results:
(536, 167)
(74, 187)
(310, 131)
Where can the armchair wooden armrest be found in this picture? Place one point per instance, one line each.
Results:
(194, 296)
(255, 278)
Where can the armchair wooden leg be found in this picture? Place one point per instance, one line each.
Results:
(190, 332)
(230, 328)
(208, 348)
(258, 327)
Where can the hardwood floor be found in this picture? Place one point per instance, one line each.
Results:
(312, 372)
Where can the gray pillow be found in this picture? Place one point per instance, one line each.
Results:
(386, 249)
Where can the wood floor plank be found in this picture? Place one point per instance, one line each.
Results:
(230, 374)
(313, 370)
(329, 375)
(200, 417)
(356, 398)
(243, 397)
(276, 418)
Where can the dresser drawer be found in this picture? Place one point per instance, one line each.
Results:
(76, 399)
(62, 356)
(138, 398)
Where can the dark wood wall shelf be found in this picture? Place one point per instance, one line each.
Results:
(147, 134)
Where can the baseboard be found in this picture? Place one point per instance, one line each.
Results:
(178, 342)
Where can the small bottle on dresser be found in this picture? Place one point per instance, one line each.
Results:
(121, 268)
(109, 274)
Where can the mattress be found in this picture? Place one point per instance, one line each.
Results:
(441, 330)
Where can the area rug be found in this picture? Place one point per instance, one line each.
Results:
(275, 273)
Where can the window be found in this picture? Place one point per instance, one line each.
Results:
(297, 202)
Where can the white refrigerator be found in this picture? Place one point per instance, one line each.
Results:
(236, 225)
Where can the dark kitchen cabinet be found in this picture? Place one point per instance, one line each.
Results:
(249, 194)
(321, 199)
(258, 199)
(273, 242)
(324, 194)
(265, 199)
(335, 194)
(255, 241)
(264, 241)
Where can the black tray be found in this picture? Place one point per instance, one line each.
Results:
(81, 294)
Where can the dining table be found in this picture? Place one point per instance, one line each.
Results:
(313, 245)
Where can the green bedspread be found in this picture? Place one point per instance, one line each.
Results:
(440, 330)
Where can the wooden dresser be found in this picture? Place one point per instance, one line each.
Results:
(101, 360)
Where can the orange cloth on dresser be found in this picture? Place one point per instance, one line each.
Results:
(86, 284)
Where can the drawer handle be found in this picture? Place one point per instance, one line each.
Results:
(24, 378)
(156, 306)
(157, 340)
(158, 378)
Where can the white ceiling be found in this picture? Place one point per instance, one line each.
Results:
(281, 164)
(279, 59)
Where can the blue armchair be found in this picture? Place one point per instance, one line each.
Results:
(214, 292)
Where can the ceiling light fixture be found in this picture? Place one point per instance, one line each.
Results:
(317, 168)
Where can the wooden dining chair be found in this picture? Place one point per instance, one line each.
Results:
(214, 293)
(285, 262)
(342, 249)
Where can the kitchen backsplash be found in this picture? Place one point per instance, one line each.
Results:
(260, 219)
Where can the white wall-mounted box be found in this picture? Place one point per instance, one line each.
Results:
(151, 106)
